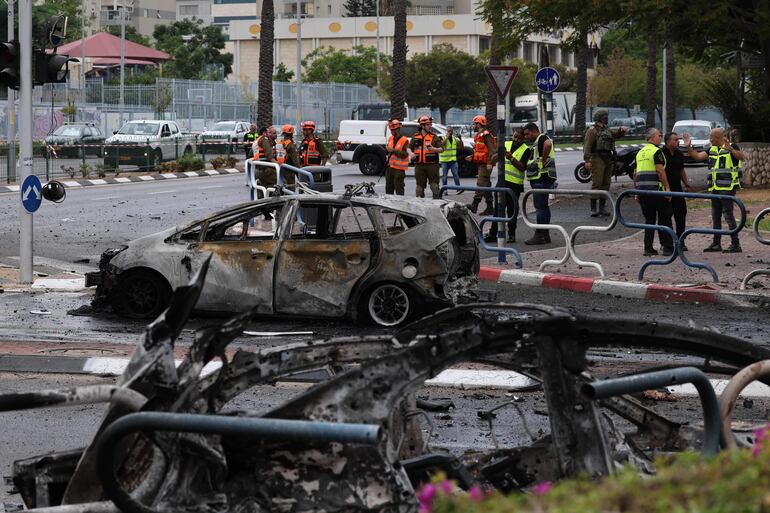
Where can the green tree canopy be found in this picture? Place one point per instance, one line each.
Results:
(131, 34)
(282, 73)
(356, 66)
(196, 49)
(620, 82)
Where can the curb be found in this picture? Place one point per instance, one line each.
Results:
(131, 179)
(632, 290)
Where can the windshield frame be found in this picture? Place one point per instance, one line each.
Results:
(133, 124)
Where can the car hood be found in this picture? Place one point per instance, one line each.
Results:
(138, 251)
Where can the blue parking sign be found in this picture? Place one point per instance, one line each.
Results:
(547, 80)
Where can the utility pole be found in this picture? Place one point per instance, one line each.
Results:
(122, 61)
(664, 110)
(83, 47)
(299, 63)
(25, 133)
(10, 106)
(377, 13)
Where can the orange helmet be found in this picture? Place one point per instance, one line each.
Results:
(287, 129)
(424, 120)
(308, 124)
(481, 120)
(394, 124)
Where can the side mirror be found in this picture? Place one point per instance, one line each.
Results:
(114, 132)
(54, 191)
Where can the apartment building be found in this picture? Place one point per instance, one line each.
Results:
(142, 15)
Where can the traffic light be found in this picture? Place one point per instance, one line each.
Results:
(9, 64)
(50, 68)
(56, 29)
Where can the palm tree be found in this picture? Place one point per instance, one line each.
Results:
(670, 99)
(652, 78)
(398, 75)
(265, 92)
(582, 54)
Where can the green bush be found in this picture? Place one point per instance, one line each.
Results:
(190, 162)
(223, 162)
(168, 167)
(730, 482)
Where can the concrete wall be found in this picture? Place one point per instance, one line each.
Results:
(756, 169)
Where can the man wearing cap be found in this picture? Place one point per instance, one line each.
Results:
(599, 157)
(398, 159)
(286, 153)
(426, 146)
(312, 151)
(484, 158)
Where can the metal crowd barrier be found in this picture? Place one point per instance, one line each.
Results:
(569, 238)
(679, 242)
(650, 380)
(757, 272)
(498, 218)
(251, 178)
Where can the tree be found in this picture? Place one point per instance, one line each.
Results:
(362, 8)
(690, 92)
(355, 66)
(398, 70)
(619, 82)
(131, 34)
(282, 73)
(266, 39)
(652, 77)
(454, 80)
(196, 49)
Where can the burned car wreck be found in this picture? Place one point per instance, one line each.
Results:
(314, 255)
(352, 442)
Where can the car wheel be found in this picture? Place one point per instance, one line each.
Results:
(370, 164)
(389, 304)
(157, 156)
(582, 174)
(143, 295)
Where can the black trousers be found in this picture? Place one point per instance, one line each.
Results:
(721, 207)
(679, 208)
(511, 206)
(656, 210)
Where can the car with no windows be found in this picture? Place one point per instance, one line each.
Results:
(312, 255)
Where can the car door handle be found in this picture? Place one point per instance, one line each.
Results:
(257, 252)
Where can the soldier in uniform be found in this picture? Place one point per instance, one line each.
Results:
(266, 152)
(599, 155)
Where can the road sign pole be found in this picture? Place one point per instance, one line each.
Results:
(25, 134)
(549, 114)
(501, 198)
(10, 106)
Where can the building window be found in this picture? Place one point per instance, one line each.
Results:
(483, 44)
(565, 57)
(188, 10)
(528, 50)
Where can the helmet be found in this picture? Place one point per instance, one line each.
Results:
(601, 113)
(308, 124)
(424, 120)
(287, 129)
(481, 120)
(54, 191)
(394, 123)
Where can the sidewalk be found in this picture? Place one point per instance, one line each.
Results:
(622, 259)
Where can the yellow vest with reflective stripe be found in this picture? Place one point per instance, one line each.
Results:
(646, 172)
(724, 174)
(450, 150)
(535, 167)
(512, 174)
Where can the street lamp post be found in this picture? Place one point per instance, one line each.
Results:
(122, 59)
(377, 62)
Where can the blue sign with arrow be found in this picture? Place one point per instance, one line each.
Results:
(31, 193)
(547, 80)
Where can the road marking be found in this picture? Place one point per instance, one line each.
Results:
(190, 173)
(161, 192)
(98, 181)
(72, 184)
(146, 178)
(212, 172)
(211, 187)
(104, 198)
(168, 175)
(122, 179)
(13, 188)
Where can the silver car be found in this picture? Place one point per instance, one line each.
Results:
(322, 255)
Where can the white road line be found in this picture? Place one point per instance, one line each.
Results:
(145, 178)
(14, 188)
(212, 172)
(211, 187)
(122, 179)
(160, 192)
(190, 173)
(104, 198)
(71, 184)
(98, 181)
(168, 175)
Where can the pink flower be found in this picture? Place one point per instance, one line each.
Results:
(426, 495)
(476, 494)
(447, 486)
(761, 437)
(542, 488)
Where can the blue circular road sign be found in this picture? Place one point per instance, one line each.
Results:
(31, 193)
(547, 80)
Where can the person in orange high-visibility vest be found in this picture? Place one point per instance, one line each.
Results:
(484, 158)
(286, 152)
(426, 147)
(312, 150)
(398, 159)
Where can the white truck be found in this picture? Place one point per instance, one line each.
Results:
(525, 110)
(363, 142)
(145, 143)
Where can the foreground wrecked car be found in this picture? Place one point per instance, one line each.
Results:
(321, 255)
(354, 443)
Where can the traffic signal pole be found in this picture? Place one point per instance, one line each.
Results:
(10, 106)
(25, 134)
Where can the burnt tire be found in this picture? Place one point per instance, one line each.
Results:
(141, 294)
(370, 164)
(389, 304)
(582, 174)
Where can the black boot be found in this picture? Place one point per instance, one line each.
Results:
(602, 208)
(474, 205)
(594, 212)
(536, 239)
(489, 211)
(546, 236)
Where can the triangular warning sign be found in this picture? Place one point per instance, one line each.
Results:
(501, 77)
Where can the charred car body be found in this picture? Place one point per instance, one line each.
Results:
(320, 255)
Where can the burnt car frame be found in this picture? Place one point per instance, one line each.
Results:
(317, 255)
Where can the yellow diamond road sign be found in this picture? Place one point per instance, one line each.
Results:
(501, 77)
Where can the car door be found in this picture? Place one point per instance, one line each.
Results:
(324, 254)
(244, 247)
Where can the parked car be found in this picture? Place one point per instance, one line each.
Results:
(699, 131)
(363, 142)
(75, 140)
(145, 143)
(217, 138)
(324, 255)
(636, 125)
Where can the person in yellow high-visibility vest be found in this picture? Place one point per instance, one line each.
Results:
(725, 174)
(517, 154)
(651, 176)
(448, 157)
